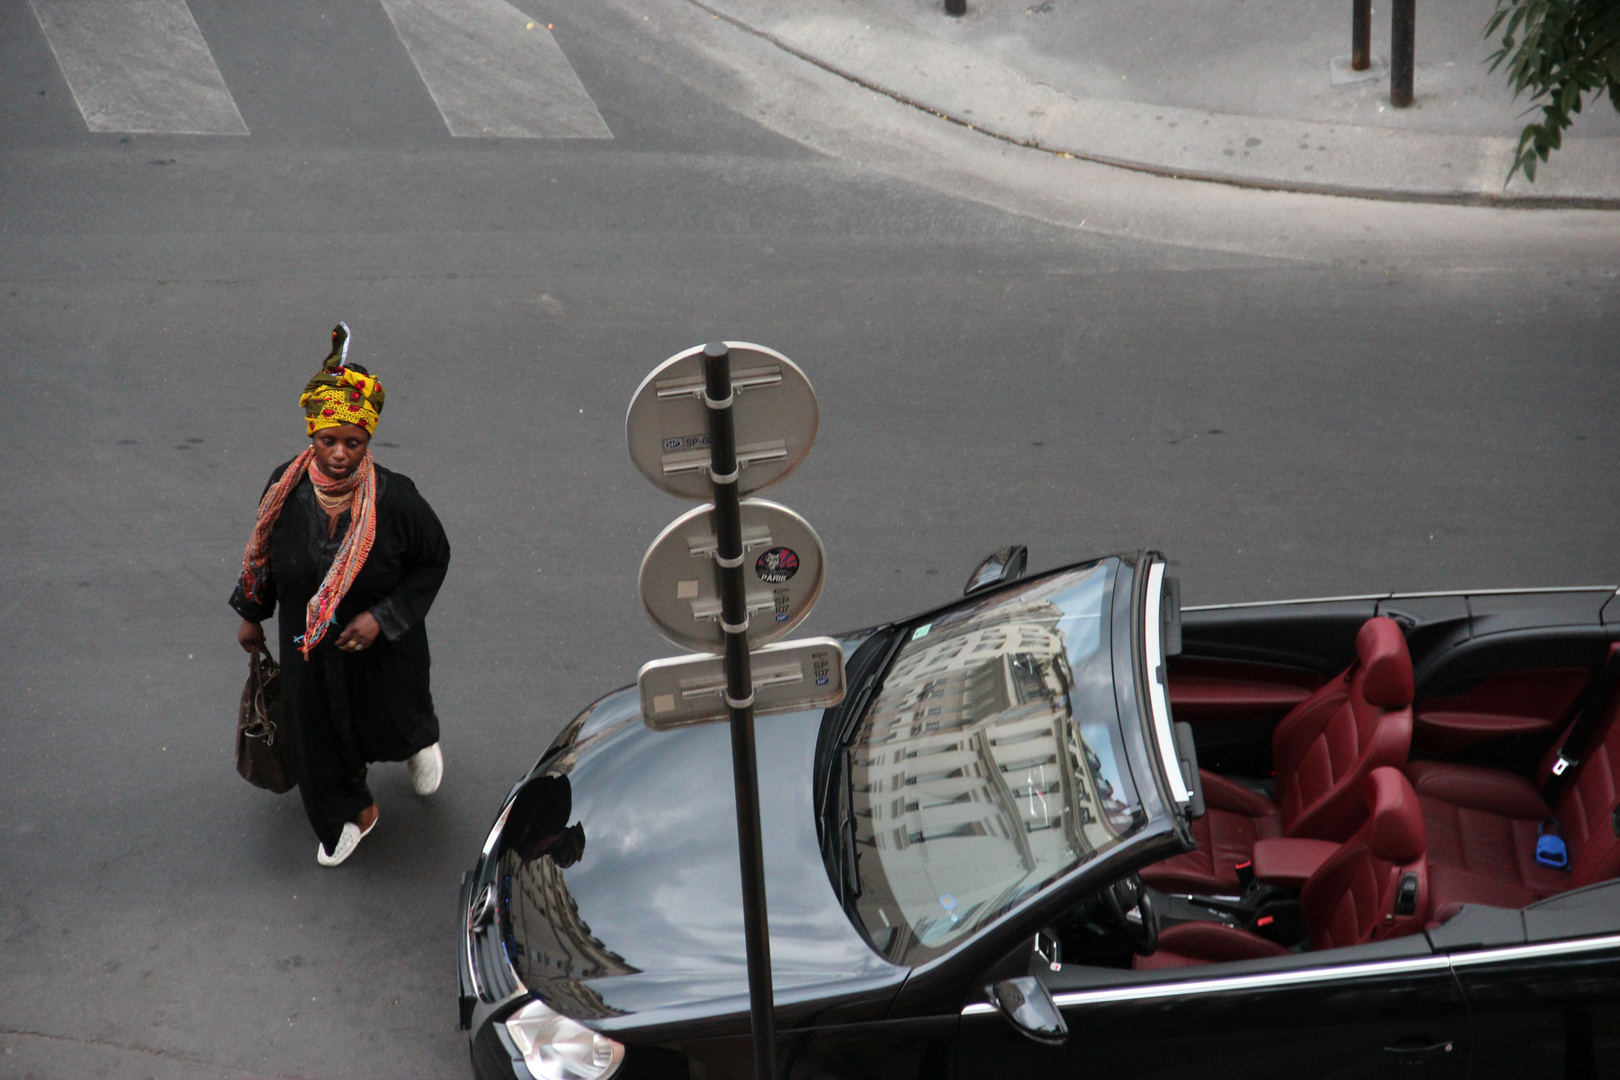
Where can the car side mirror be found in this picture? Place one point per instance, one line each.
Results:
(1028, 1006)
(998, 568)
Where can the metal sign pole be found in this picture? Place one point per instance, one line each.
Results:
(729, 583)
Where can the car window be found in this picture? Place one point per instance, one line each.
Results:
(989, 762)
(1592, 910)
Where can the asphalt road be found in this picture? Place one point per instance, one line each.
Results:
(1307, 421)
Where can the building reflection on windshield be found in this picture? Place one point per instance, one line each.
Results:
(985, 767)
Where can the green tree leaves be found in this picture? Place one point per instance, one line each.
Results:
(1561, 51)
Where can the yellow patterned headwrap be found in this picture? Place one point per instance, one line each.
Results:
(339, 394)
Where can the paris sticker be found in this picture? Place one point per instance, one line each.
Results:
(777, 565)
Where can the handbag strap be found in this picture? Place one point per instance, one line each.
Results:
(261, 665)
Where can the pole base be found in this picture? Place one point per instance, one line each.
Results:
(1340, 73)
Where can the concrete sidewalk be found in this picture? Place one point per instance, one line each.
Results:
(1237, 91)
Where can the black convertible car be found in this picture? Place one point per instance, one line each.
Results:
(1063, 827)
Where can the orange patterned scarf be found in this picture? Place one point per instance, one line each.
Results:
(351, 556)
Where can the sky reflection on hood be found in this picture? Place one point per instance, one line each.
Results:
(658, 885)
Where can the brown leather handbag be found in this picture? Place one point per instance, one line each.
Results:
(263, 752)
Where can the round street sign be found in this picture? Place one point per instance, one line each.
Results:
(783, 567)
(668, 423)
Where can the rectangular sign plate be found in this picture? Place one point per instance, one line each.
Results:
(788, 676)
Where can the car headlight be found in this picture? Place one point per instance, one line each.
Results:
(557, 1048)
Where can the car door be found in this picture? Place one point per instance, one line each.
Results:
(1547, 1004)
(1389, 1009)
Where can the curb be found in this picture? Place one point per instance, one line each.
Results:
(921, 70)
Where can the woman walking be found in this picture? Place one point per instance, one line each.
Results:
(354, 556)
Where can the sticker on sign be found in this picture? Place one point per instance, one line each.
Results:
(789, 676)
(783, 566)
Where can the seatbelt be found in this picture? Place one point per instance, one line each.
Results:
(1574, 748)
(1550, 847)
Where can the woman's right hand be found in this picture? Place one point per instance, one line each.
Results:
(250, 636)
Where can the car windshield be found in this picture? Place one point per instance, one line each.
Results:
(989, 763)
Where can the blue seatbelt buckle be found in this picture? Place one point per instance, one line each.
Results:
(1550, 847)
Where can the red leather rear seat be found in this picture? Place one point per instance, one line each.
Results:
(1323, 751)
(1482, 824)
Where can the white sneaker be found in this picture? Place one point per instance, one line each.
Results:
(427, 769)
(348, 840)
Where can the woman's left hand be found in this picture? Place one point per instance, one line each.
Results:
(359, 634)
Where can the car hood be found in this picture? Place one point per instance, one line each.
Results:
(620, 874)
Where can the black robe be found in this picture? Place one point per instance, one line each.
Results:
(342, 709)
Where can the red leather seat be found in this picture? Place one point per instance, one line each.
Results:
(1322, 752)
(1482, 824)
(1349, 900)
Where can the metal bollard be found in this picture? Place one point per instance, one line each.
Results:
(1402, 51)
(1360, 35)
(956, 7)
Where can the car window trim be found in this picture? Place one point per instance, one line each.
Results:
(1153, 660)
(1232, 983)
(1288, 603)
(1334, 973)
(1509, 953)
(1404, 596)
(1504, 592)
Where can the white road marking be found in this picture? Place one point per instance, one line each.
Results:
(494, 71)
(139, 66)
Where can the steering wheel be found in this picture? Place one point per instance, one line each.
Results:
(1118, 899)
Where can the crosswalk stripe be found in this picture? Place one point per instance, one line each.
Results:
(494, 71)
(139, 66)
